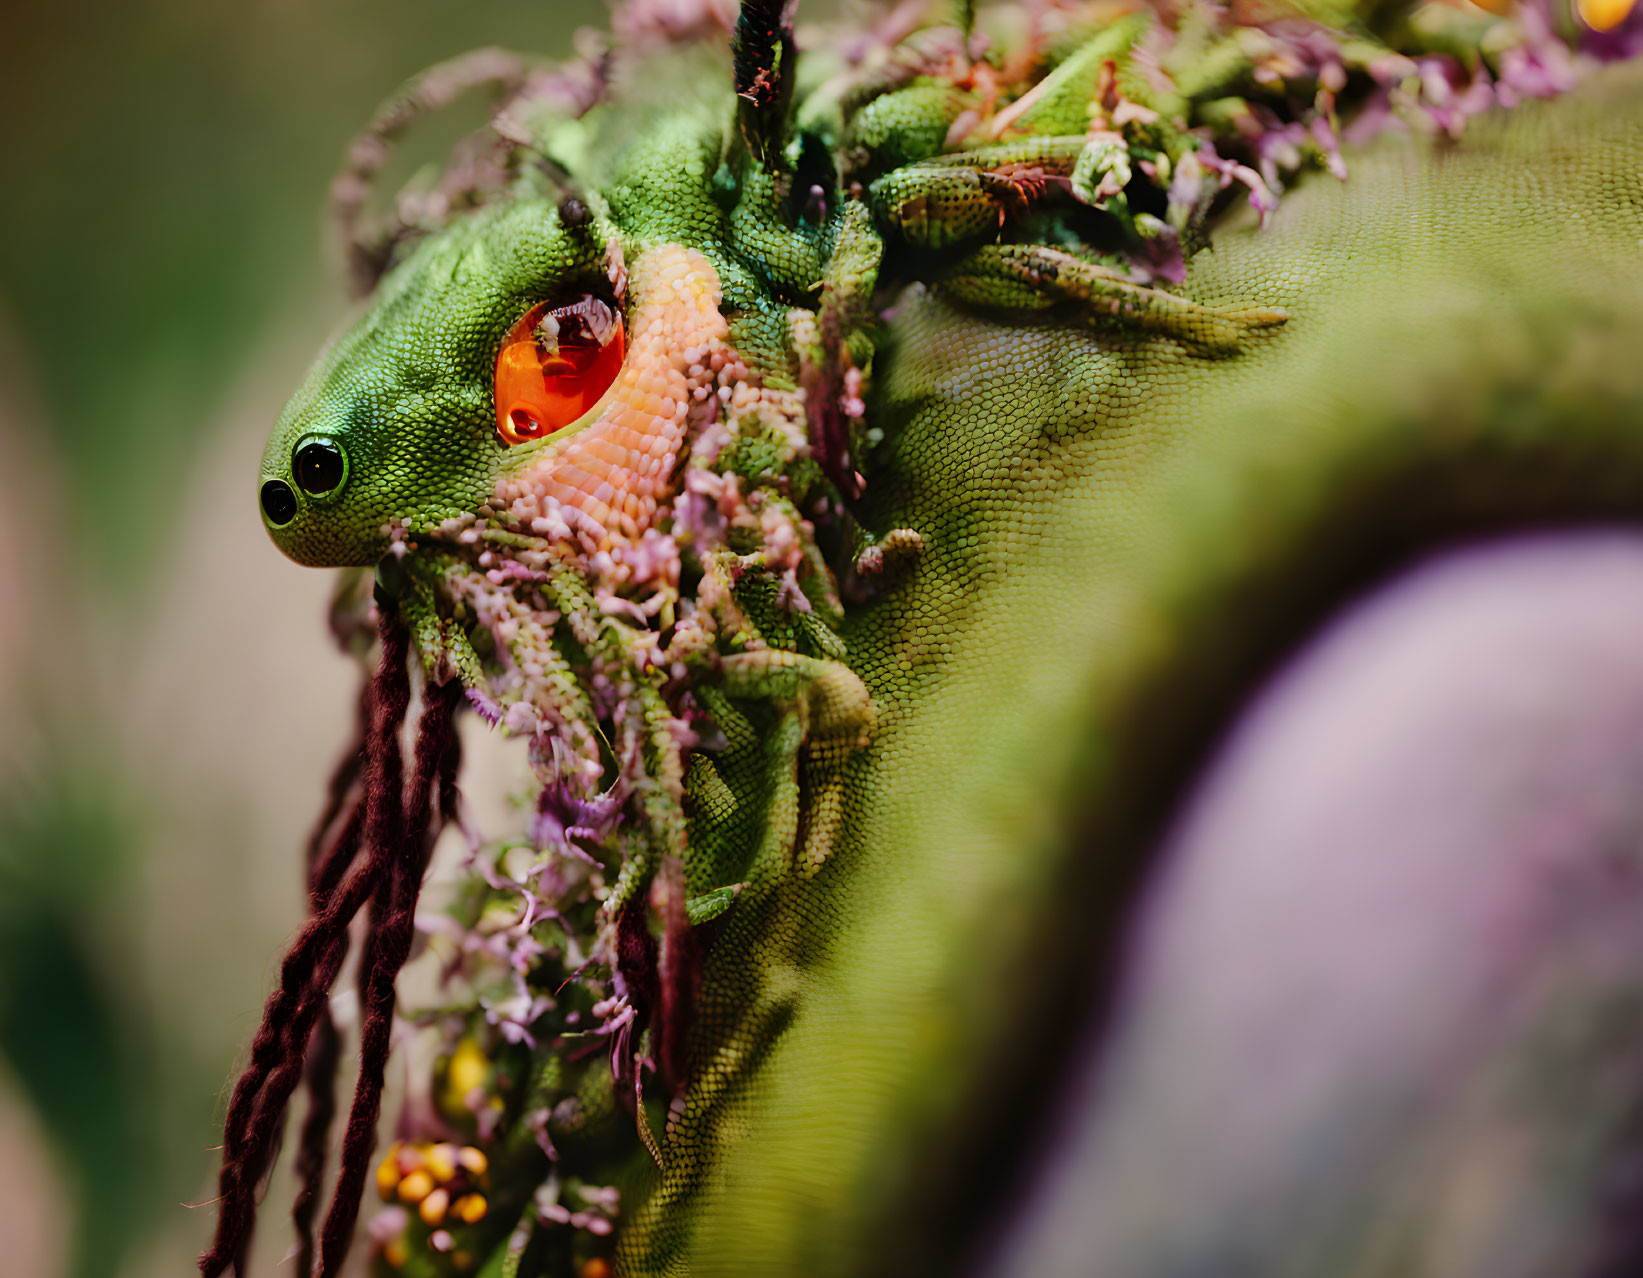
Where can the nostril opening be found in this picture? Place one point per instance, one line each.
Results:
(279, 503)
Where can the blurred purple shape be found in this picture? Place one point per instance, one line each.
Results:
(1383, 1013)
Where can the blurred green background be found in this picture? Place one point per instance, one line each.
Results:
(170, 702)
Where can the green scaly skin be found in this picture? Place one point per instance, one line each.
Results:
(1120, 540)
(1107, 507)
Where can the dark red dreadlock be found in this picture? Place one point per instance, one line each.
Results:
(388, 945)
(331, 851)
(368, 808)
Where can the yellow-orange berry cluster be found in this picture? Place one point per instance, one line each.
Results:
(443, 1182)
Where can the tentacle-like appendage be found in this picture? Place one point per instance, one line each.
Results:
(651, 729)
(835, 357)
(963, 197)
(833, 717)
(1060, 103)
(1034, 277)
(434, 88)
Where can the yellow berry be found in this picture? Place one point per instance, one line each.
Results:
(394, 1254)
(471, 1208)
(415, 1187)
(388, 1176)
(442, 1162)
(468, 1068)
(595, 1267)
(1604, 15)
(473, 1159)
(432, 1208)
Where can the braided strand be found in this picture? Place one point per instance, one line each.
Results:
(257, 1107)
(392, 933)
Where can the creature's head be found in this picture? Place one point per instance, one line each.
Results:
(396, 422)
(502, 333)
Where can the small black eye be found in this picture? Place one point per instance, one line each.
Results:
(279, 503)
(318, 467)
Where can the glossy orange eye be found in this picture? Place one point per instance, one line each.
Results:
(554, 365)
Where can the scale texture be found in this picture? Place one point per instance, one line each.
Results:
(1120, 537)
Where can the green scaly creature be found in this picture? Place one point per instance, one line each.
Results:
(860, 487)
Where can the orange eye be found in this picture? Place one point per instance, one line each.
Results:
(554, 365)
